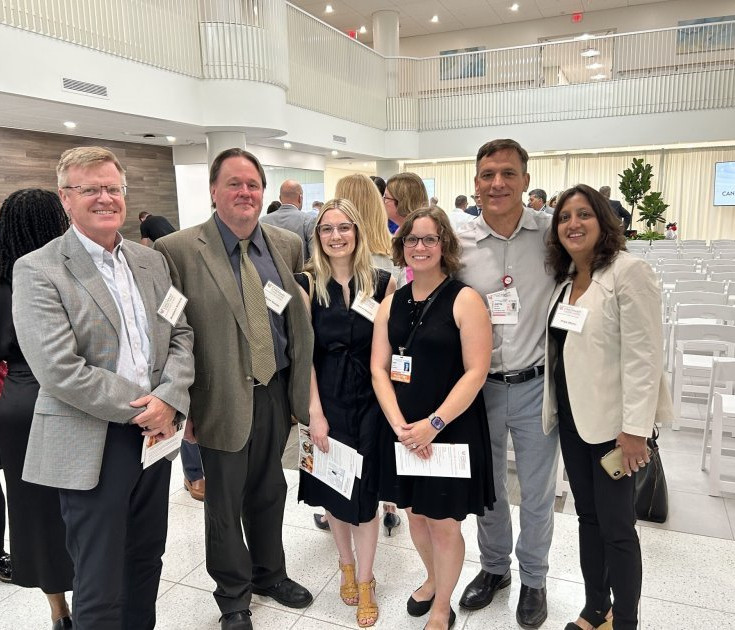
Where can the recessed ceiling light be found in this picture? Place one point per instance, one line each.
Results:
(363, 30)
(335, 153)
(598, 77)
(286, 145)
(514, 7)
(329, 9)
(435, 19)
(171, 138)
(583, 37)
(70, 124)
(590, 52)
(593, 66)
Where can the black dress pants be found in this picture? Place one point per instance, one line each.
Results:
(609, 549)
(116, 535)
(246, 492)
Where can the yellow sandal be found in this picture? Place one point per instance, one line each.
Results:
(366, 607)
(348, 590)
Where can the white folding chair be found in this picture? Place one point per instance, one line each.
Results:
(693, 243)
(713, 313)
(695, 255)
(710, 286)
(722, 416)
(719, 276)
(725, 256)
(723, 267)
(676, 266)
(691, 297)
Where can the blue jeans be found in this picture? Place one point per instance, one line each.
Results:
(517, 409)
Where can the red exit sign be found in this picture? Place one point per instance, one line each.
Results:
(577, 17)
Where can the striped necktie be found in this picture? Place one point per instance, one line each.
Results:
(259, 334)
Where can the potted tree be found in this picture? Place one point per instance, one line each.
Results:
(635, 182)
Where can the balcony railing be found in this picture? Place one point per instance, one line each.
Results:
(271, 41)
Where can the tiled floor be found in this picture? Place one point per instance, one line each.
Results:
(688, 581)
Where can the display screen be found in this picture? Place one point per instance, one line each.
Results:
(724, 184)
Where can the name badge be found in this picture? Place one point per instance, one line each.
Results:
(276, 298)
(568, 317)
(366, 306)
(172, 306)
(400, 368)
(504, 306)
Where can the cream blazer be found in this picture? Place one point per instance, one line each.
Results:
(614, 367)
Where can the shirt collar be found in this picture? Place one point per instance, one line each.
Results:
(231, 241)
(527, 222)
(98, 253)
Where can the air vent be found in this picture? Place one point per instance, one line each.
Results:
(92, 89)
(340, 139)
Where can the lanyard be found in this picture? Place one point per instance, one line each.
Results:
(429, 301)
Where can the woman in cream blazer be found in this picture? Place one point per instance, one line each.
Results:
(604, 386)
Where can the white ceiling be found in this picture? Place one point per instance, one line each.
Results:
(415, 15)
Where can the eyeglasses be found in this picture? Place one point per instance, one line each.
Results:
(387, 198)
(430, 240)
(342, 228)
(114, 190)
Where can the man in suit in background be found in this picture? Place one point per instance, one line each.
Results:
(475, 210)
(289, 215)
(617, 207)
(253, 364)
(111, 370)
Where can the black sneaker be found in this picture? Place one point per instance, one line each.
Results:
(6, 570)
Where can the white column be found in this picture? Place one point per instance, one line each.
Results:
(385, 33)
(218, 141)
(386, 168)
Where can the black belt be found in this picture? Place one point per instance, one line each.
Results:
(513, 378)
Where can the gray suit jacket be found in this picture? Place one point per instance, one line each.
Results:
(222, 394)
(68, 328)
(290, 218)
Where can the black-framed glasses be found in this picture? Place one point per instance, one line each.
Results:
(327, 228)
(387, 198)
(430, 240)
(90, 190)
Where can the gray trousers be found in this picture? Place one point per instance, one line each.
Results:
(517, 408)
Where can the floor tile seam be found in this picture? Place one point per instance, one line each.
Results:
(705, 608)
(676, 531)
(317, 619)
(11, 593)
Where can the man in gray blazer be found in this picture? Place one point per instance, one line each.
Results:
(241, 411)
(111, 370)
(290, 216)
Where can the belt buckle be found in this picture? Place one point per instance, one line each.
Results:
(508, 376)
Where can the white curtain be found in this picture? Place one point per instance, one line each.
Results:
(685, 177)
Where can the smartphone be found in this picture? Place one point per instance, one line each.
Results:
(612, 462)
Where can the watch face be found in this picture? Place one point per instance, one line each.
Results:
(437, 423)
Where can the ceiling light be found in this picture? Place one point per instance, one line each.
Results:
(583, 37)
(590, 52)
(286, 145)
(514, 7)
(598, 77)
(70, 125)
(335, 153)
(435, 19)
(329, 9)
(363, 30)
(171, 138)
(593, 66)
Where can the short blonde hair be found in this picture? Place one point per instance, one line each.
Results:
(409, 192)
(84, 157)
(365, 196)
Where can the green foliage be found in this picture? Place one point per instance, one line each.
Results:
(652, 209)
(635, 181)
(649, 235)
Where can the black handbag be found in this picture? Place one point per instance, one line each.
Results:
(651, 493)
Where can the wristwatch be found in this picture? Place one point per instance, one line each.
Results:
(437, 422)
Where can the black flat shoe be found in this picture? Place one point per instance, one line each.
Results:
(6, 569)
(391, 520)
(480, 592)
(321, 521)
(64, 623)
(418, 609)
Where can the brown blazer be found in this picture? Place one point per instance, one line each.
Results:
(222, 394)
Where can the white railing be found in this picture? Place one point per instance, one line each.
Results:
(333, 74)
(163, 33)
(675, 69)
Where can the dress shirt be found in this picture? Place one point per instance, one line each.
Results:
(487, 257)
(135, 349)
(261, 257)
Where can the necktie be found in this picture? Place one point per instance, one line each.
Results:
(259, 330)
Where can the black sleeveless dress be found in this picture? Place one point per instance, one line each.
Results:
(342, 345)
(437, 366)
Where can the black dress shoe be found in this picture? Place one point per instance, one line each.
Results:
(416, 608)
(239, 620)
(480, 592)
(320, 520)
(391, 520)
(64, 623)
(6, 570)
(288, 593)
(531, 611)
